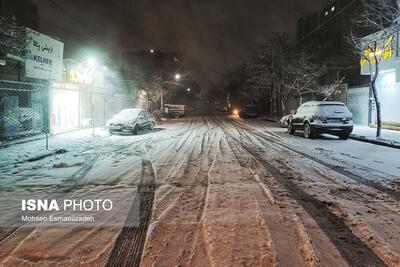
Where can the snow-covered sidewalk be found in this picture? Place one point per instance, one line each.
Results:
(388, 138)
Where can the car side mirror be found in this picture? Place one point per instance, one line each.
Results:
(293, 112)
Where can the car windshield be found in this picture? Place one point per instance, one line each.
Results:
(251, 109)
(127, 114)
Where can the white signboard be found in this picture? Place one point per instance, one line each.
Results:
(44, 56)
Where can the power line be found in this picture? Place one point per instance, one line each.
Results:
(325, 22)
(86, 31)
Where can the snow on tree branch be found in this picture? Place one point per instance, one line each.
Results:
(12, 36)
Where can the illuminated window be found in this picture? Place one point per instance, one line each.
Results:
(382, 51)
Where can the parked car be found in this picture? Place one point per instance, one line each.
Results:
(174, 111)
(130, 120)
(318, 117)
(249, 111)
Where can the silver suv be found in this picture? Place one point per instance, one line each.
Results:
(318, 117)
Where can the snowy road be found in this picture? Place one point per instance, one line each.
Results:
(216, 191)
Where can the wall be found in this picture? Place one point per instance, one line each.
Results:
(358, 104)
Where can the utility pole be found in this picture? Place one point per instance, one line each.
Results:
(162, 100)
(92, 108)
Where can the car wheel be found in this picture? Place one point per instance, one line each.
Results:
(290, 128)
(152, 125)
(344, 136)
(308, 133)
(135, 129)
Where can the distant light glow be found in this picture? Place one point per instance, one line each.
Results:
(326, 13)
(152, 51)
(188, 89)
(177, 76)
(92, 62)
(333, 8)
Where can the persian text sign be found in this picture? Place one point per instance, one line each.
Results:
(44, 56)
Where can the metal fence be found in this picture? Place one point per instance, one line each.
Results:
(23, 109)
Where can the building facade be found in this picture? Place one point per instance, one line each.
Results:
(361, 100)
(325, 34)
(87, 96)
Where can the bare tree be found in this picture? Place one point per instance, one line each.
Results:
(293, 72)
(12, 36)
(277, 71)
(153, 89)
(380, 17)
(302, 75)
(161, 85)
(329, 90)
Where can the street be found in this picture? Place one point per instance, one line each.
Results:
(214, 191)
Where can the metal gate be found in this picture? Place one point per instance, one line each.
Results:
(23, 109)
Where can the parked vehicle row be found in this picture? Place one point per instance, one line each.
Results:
(247, 111)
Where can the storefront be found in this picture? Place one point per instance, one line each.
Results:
(64, 107)
(387, 83)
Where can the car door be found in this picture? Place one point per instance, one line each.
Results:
(141, 120)
(146, 119)
(297, 119)
(304, 112)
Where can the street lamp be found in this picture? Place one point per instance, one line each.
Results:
(152, 51)
(188, 89)
(92, 63)
(177, 77)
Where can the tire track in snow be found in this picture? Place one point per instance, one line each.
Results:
(205, 201)
(129, 245)
(353, 250)
(393, 193)
(285, 242)
(181, 174)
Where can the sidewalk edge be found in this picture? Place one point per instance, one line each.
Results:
(382, 142)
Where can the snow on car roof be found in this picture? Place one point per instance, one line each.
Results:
(318, 103)
(133, 109)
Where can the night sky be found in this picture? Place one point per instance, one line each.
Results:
(210, 36)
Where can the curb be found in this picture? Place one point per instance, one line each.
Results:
(269, 119)
(381, 142)
(22, 140)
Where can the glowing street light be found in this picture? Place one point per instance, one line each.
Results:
(152, 51)
(177, 77)
(91, 62)
(188, 89)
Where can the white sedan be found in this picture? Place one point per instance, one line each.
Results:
(130, 120)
